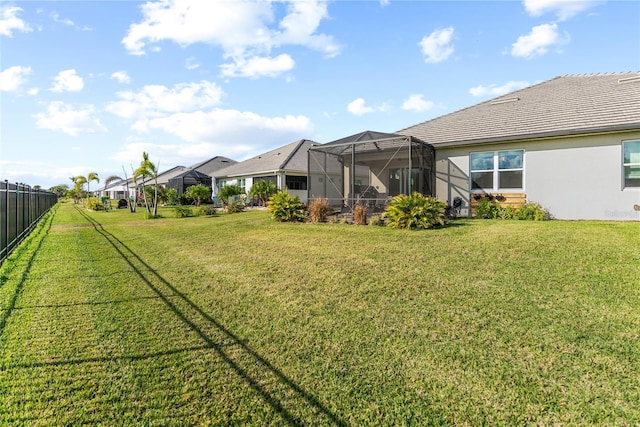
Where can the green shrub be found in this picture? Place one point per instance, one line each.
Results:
(507, 212)
(486, 208)
(532, 212)
(198, 193)
(263, 190)
(228, 191)
(376, 220)
(171, 195)
(234, 205)
(360, 215)
(183, 211)
(414, 211)
(319, 210)
(206, 210)
(285, 208)
(94, 204)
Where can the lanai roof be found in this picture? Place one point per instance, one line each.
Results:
(564, 105)
(366, 141)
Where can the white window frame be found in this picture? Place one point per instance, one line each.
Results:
(496, 172)
(624, 184)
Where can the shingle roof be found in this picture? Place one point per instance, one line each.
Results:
(209, 167)
(564, 105)
(290, 157)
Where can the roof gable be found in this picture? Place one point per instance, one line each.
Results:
(290, 157)
(564, 105)
(208, 167)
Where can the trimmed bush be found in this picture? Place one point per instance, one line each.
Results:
(183, 211)
(532, 212)
(206, 210)
(319, 210)
(234, 205)
(415, 211)
(94, 204)
(376, 220)
(285, 208)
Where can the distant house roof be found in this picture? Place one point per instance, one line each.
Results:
(565, 105)
(165, 176)
(291, 157)
(209, 167)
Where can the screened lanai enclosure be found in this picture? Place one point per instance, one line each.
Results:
(370, 168)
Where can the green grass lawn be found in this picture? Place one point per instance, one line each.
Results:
(111, 319)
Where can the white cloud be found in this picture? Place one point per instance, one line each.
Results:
(359, 107)
(230, 126)
(67, 81)
(495, 90)
(243, 29)
(33, 91)
(13, 77)
(258, 66)
(121, 77)
(417, 102)
(563, 9)
(158, 100)
(9, 21)
(230, 133)
(437, 46)
(65, 118)
(538, 41)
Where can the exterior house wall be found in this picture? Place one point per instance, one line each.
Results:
(574, 178)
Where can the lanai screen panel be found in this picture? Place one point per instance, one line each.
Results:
(370, 172)
(326, 177)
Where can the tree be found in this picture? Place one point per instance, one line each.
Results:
(228, 191)
(60, 190)
(78, 182)
(148, 169)
(263, 190)
(198, 193)
(92, 176)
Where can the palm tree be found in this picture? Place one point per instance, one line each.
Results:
(92, 176)
(78, 182)
(148, 169)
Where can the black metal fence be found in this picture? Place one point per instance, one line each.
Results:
(21, 207)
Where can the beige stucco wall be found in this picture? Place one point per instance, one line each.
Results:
(574, 178)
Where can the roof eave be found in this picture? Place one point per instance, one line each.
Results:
(541, 135)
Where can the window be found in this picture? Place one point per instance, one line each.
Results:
(497, 170)
(631, 163)
(242, 182)
(296, 182)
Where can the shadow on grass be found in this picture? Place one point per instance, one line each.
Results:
(6, 312)
(132, 258)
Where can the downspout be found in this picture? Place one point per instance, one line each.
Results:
(410, 168)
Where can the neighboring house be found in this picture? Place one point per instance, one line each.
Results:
(285, 166)
(571, 144)
(200, 173)
(117, 190)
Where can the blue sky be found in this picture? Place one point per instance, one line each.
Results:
(89, 85)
